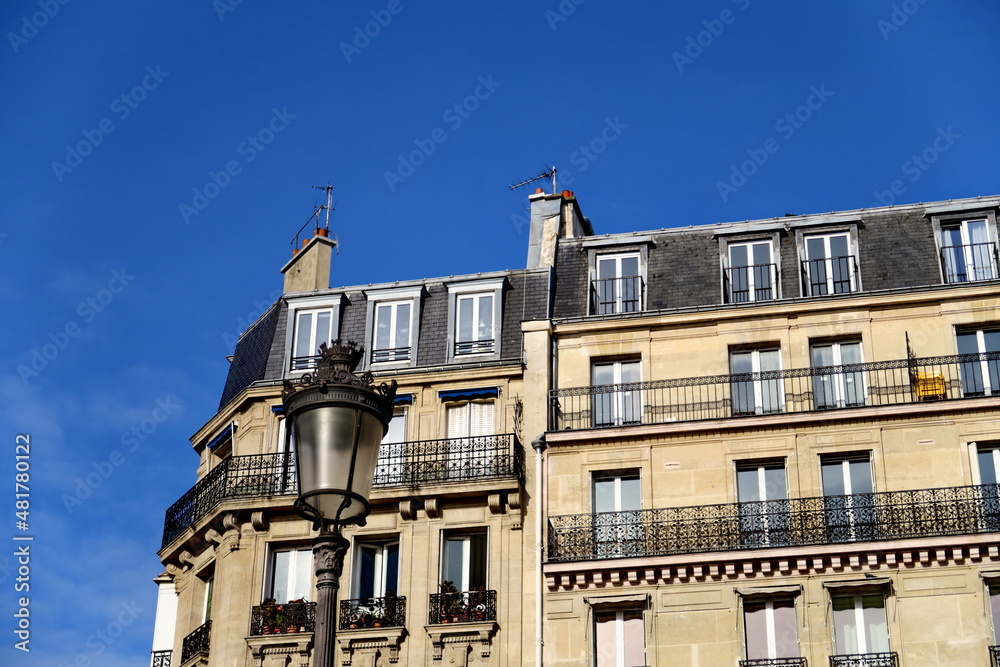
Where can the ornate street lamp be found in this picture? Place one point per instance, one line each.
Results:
(336, 421)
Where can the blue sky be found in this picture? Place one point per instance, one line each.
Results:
(158, 160)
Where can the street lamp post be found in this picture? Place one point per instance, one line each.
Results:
(336, 421)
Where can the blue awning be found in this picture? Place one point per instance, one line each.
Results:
(469, 394)
(222, 437)
(404, 399)
(278, 409)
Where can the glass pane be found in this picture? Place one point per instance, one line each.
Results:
(762, 253)
(403, 325)
(833, 478)
(485, 318)
(755, 621)
(876, 628)
(741, 362)
(845, 627)
(987, 466)
(606, 268)
(303, 336)
(604, 495)
(391, 586)
(477, 562)
(838, 246)
(786, 638)
(747, 485)
(861, 477)
(991, 340)
(323, 333)
(995, 609)
(774, 484)
(383, 315)
(279, 576)
(630, 495)
(366, 571)
(952, 236)
(465, 319)
(738, 255)
(630, 266)
(603, 374)
(815, 248)
(302, 587)
(977, 231)
(455, 555)
(634, 639)
(605, 643)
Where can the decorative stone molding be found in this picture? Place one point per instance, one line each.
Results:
(516, 513)
(432, 508)
(466, 644)
(408, 509)
(495, 501)
(650, 571)
(259, 521)
(185, 559)
(281, 650)
(373, 647)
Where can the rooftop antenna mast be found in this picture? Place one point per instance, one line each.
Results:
(328, 207)
(551, 173)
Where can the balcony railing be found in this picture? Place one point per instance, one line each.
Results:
(750, 283)
(161, 658)
(611, 296)
(463, 607)
(387, 355)
(994, 656)
(286, 618)
(865, 660)
(772, 392)
(256, 476)
(197, 642)
(774, 662)
(449, 460)
(887, 515)
(829, 275)
(464, 347)
(968, 263)
(360, 613)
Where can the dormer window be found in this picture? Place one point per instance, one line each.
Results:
(617, 287)
(475, 309)
(968, 252)
(751, 274)
(312, 321)
(830, 264)
(393, 317)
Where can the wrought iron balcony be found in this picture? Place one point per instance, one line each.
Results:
(464, 347)
(865, 660)
(774, 662)
(161, 658)
(256, 476)
(887, 515)
(360, 613)
(757, 282)
(829, 275)
(773, 392)
(449, 460)
(611, 296)
(994, 656)
(197, 642)
(968, 263)
(386, 355)
(463, 607)
(286, 618)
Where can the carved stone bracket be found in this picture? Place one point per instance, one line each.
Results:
(516, 513)
(495, 501)
(259, 521)
(281, 650)
(374, 647)
(408, 509)
(463, 641)
(432, 508)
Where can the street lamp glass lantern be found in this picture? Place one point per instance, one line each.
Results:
(336, 422)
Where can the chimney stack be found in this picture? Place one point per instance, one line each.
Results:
(553, 216)
(309, 267)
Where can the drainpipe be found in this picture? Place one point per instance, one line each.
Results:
(538, 444)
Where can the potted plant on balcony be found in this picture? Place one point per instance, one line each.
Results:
(272, 617)
(452, 603)
(294, 616)
(477, 607)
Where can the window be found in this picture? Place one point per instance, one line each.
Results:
(476, 315)
(393, 316)
(376, 567)
(391, 465)
(473, 455)
(980, 374)
(762, 491)
(986, 468)
(859, 623)
(619, 637)
(848, 501)
(837, 388)
(617, 521)
(967, 252)
(463, 561)
(209, 593)
(752, 391)
(311, 322)
(829, 266)
(289, 575)
(751, 274)
(617, 398)
(993, 588)
(617, 285)
(771, 630)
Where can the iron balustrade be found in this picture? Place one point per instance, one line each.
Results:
(865, 660)
(449, 460)
(386, 355)
(286, 618)
(474, 347)
(829, 275)
(197, 642)
(756, 282)
(255, 476)
(970, 262)
(611, 296)
(772, 392)
(862, 517)
(994, 656)
(774, 662)
(162, 658)
(463, 607)
(360, 613)
(305, 363)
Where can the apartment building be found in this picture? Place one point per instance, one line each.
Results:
(757, 444)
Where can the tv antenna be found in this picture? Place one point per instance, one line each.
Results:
(551, 173)
(328, 206)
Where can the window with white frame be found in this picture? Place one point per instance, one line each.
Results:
(829, 265)
(393, 317)
(391, 465)
(376, 569)
(849, 505)
(617, 284)
(968, 250)
(859, 622)
(617, 520)
(993, 590)
(837, 388)
(209, 594)
(762, 492)
(470, 454)
(619, 637)
(617, 400)
(474, 324)
(980, 371)
(771, 631)
(986, 475)
(289, 574)
(312, 327)
(751, 273)
(464, 560)
(753, 393)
